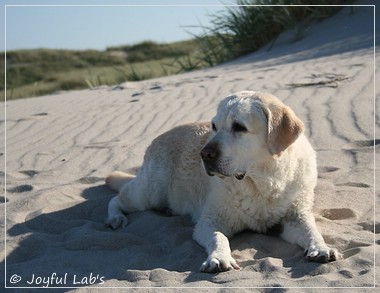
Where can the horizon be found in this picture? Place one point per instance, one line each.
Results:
(97, 26)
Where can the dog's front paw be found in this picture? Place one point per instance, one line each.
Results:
(221, 263)
(118, 221)
(322, 254)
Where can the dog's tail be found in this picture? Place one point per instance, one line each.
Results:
(117, 179)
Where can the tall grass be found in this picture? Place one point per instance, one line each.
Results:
(243, 29)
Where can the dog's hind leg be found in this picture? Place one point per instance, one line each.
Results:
(138, 194)
(131, 198)
(117, 206)
(116, 217)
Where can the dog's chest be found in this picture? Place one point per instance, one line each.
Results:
(256, 211)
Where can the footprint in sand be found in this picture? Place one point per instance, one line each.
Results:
(346, 273)
(327, 169)
(354, 184)
(29, 173)
(139, 93)
(354, 247)
(367, 143)
(20, 188)
(90, 180)
(338, 214)
(155, 87)
(359, 144)
(3, 199)
(41, 114)
(371, 227)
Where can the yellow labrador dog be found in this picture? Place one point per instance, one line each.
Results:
(251, 168)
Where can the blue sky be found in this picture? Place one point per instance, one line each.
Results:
(99, 27)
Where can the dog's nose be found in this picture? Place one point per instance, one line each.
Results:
(210, 152)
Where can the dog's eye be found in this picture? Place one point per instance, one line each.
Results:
(214, 127)
(237, 127)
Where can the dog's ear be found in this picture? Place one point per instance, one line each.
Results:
(284, 127)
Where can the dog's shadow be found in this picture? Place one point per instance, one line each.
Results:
(75, 241)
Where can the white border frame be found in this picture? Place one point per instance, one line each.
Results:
(181, 287)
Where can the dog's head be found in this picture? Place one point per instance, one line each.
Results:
(249, 128)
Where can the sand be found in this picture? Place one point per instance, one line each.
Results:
(60, 148)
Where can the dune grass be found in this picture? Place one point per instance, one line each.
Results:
(243, 29)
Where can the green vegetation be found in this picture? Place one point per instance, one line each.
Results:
(43, 71)
(237, 31)
(244, 29)
(149, 50)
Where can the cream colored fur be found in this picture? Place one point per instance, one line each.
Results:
(261, 172)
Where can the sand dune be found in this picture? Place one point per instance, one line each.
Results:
(60, 148)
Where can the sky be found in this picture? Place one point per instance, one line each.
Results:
(97, 24)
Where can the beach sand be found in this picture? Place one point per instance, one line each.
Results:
(60, 148)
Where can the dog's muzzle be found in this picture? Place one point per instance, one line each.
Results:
(210, 155)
